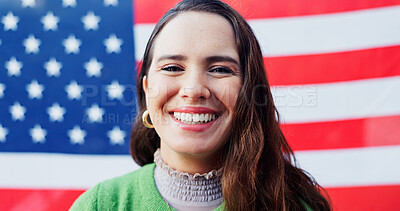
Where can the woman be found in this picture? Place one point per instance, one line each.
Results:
(209, 123)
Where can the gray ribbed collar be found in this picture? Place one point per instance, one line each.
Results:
(187, 190)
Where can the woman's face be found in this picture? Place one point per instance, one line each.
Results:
(193, 84)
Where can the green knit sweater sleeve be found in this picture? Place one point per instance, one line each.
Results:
(132, 191)
(87, 201)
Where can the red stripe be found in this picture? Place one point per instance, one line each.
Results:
(365, 198)
(380, 131)
(333, 67)
(150, 11)
(32, 199)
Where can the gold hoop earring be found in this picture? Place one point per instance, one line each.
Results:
(145, 121)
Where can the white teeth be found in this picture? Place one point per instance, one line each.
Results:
(188, 117)
(194, 118)
(206, 117)
(201, 117)
(177, 115)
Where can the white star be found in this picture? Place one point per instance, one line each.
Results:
(111, 2)
(28, 3)
(90, 21)
(2, 88)
(38, 134)
(72, 44)
(53, 67)
(56, 113)
(50, 22)
(14, 67)
(17, 112)
(113, 44)
(69, 3)
(95, 113)
(35, 90)
(115, 90)
(10, 22)
(77, 135)
(73, 90)
(31, 44)
(3, 133)
(93, 67)
(116, 136)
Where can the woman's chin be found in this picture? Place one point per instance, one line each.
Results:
(192, 148)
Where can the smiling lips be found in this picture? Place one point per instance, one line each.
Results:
(194, 118)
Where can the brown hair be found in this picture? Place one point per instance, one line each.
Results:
(259, 166)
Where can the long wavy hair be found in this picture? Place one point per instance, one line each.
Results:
(259, 171)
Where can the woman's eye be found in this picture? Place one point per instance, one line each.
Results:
(224, 70)
(172, 69)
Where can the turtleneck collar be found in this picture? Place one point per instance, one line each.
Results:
(185, 191)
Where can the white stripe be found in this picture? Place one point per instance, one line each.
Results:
(331, 168)
(315, 34)
(42, 170)
(353, 167)
(141, 34)
(338, 101)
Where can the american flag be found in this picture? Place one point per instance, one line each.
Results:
(67, 93)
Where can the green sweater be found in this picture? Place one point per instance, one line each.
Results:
(133, 191)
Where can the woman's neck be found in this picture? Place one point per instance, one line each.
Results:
(190, 163)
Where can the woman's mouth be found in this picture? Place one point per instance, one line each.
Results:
(194, 118)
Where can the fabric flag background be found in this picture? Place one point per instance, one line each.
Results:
(67, 93)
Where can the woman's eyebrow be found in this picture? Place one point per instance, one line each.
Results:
(209, 60)
(212, 59)
(172, 57)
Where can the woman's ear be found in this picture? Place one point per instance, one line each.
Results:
(144, 84)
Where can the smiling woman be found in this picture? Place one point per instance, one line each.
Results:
(209, 137)
(194, 73)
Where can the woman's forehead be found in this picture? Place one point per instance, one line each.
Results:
(192, 33)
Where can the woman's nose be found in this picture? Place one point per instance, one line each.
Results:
(194, 87)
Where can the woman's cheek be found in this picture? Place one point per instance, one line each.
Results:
(162, 91)
(228, 93)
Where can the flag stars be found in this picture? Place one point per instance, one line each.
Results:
(69, 3)
(77, 135)
(115, 90)
(90, 21)
(13, 67)
(113, 44)
(38, 134)
(3, 133)
(53, 67)
(93, 67)
(28, 3)
(17, 112)
(95, 113)
(34, 90)
(31, 44)
(2, 88)
(50, 22)
(73, 90)
(116, 136)
(71, 44)
(56, 113)
(10, 22)
(108, 3)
